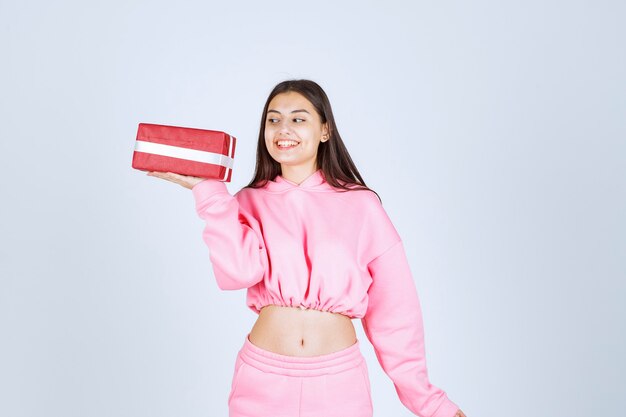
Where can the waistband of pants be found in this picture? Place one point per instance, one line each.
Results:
(329, 363)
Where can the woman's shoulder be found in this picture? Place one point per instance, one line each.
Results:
(378, 232)
(247, 196)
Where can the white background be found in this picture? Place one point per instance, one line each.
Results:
(494, 132)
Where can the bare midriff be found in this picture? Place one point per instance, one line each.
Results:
(295, 331)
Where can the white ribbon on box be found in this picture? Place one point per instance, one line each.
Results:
(189, 154)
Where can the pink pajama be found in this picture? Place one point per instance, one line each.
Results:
(268, 384)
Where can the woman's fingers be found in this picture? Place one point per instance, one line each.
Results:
(184, 180)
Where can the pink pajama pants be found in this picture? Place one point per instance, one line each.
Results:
(267, 384)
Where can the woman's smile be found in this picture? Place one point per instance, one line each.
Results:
(285, 145)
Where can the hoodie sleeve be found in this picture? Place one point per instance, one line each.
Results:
(233, 236)
(393, 324)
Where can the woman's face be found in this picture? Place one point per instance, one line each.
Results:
(292, 118)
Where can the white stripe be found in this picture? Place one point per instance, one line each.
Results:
(185, 153)
(230, 154)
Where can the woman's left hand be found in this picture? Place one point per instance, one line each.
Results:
(460, 414)
(184, 180)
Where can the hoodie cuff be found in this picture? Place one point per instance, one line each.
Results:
(205, 189)
(446, 409)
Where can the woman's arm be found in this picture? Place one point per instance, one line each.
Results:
(233, 236)
(393, 324)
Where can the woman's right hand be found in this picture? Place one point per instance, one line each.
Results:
(184, 180)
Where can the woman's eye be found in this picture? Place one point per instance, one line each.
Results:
(272, 120)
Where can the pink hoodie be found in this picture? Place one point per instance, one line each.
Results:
(314, 246)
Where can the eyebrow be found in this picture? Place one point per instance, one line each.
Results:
(295, 111)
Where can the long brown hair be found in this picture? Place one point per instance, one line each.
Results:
(332, 155)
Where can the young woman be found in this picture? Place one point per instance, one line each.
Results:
(315, 249)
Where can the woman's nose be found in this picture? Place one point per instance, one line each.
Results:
(284, 127)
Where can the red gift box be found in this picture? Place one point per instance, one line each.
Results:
(184, 150)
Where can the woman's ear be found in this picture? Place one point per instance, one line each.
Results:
(325, 132)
